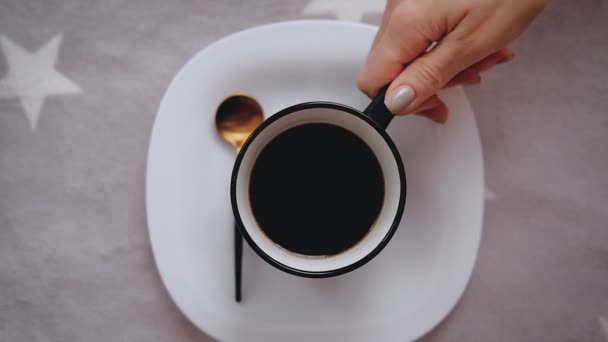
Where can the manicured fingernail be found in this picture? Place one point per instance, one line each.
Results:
(441, 117)
(506, 59)
(475, 80)
(441, 120)
(439, 114)
(399, 98)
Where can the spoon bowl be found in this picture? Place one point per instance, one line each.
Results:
(236, 117)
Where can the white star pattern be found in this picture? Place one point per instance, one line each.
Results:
(351, 10)
(32, 76)
(604, 325)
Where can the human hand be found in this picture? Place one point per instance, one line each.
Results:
(471, 37)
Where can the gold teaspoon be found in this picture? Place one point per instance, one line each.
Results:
(236, 118)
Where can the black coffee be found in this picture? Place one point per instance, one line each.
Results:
(316, 189)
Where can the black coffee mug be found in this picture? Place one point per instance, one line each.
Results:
(370, 126)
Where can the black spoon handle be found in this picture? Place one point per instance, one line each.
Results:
(238, 261)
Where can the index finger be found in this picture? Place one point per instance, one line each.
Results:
(398, 44)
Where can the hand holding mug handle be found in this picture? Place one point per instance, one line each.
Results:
(377, 110)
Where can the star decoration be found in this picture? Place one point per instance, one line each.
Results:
(32, 76)
(604, 325)
(351, 10)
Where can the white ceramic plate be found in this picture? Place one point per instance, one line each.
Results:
(401, 294)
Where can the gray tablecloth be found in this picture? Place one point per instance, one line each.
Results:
(80, 85)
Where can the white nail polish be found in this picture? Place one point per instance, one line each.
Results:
(399, 98)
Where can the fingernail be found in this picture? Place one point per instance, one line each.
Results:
(441, 117)
(476, 80)
(399, 98)
(440, 120)
(439, 114)
(506, 59)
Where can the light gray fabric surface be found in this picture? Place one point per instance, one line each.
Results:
(75, 263)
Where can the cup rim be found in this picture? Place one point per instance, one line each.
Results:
(396, 219)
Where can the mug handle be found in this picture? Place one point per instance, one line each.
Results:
(377, 111)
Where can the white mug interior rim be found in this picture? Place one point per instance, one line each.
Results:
(383, 224)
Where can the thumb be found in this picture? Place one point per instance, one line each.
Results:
(425, 75)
